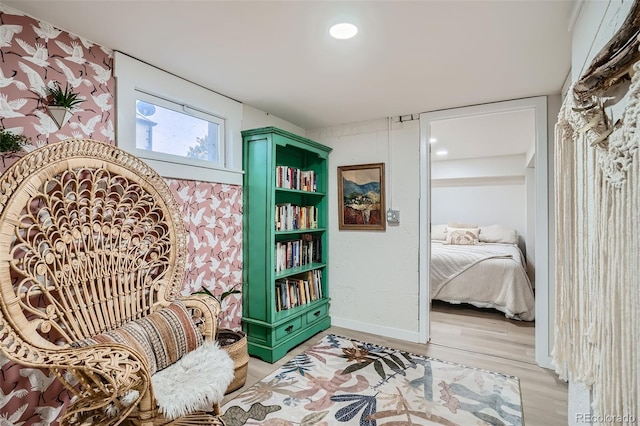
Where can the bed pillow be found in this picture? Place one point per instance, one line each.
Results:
(438, 232)
(462, 236)
(498, 234)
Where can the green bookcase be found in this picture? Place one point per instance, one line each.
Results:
(286, 282)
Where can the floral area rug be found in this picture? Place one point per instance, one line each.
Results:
(340, 381)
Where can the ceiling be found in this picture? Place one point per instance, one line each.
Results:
(484, 135)
(408, 57)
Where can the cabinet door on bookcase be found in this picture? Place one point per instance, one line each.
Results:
(285, 297)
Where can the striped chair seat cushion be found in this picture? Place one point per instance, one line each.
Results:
(162, 337)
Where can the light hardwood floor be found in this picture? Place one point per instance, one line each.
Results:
(475, 337)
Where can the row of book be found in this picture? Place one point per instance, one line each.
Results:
(291, 254)
(299, 290)
(290, 217)
(294, 178)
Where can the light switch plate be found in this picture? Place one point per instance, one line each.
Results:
(393, 216)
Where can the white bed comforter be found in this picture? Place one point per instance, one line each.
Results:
(484, 275)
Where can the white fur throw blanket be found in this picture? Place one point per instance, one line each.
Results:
(195, 382)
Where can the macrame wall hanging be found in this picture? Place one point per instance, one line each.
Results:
(597, 187)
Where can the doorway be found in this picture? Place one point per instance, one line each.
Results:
(544, 310)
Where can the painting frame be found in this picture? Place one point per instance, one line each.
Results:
(361, 197)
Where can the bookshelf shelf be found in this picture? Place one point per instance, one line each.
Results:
(283, 308)
(298, 270)
(298, 191)
(295, 232)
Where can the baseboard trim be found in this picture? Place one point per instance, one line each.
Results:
(396, 333)
(545, 361)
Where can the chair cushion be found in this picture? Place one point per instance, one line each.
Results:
(196, 382)
(162, 337)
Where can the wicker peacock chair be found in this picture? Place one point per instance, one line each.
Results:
(91, 239)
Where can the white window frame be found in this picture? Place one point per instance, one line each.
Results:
(135, 78)
(191, 112)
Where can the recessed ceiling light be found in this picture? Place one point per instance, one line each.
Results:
(343, 31)
(442, 152)
(433, 140)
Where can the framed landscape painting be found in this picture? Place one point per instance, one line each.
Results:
(361, 197)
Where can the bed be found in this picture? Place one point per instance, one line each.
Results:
(482, 272)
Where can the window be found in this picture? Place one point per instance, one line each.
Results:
(181, 129)
(160, 123)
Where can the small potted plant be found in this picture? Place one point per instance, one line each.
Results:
(232, 341)
(10, 142)
(61, 102)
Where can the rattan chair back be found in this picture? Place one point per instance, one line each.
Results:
(90, 237)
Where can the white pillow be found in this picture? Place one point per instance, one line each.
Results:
(462, 236)
(438, 232)
(498, 234)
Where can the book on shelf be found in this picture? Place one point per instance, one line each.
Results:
(300, 252)
(278, 299)
(294, 178)
(290, 217)
(298, 290)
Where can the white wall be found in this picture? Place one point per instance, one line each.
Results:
(374, 275)
(597, 22)
(483, 191)
(253, 118)
(499, 204)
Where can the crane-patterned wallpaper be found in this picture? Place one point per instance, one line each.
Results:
(32, 55)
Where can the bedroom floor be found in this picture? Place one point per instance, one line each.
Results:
(475, 337)
(482, 331)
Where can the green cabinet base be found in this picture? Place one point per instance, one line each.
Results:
(296, 336)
